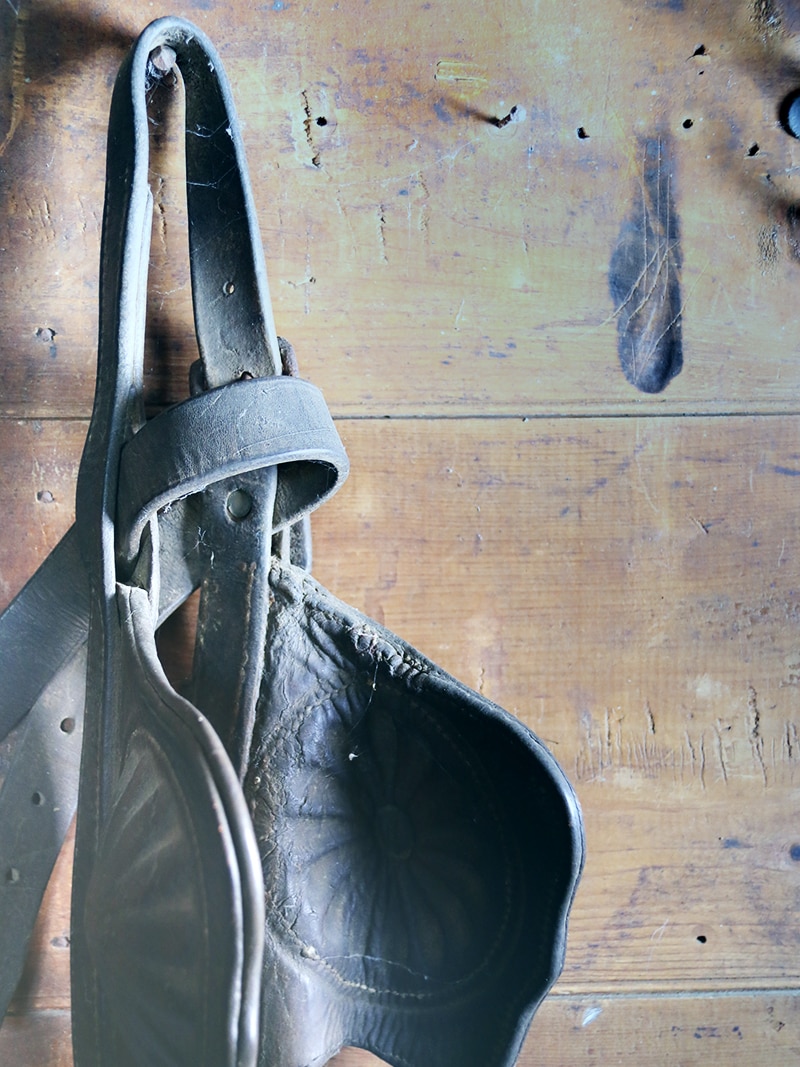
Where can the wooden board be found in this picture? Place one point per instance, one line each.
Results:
(759, 1030)
(625, 587)
(653, 1031)
(423, 259)
(619, 569)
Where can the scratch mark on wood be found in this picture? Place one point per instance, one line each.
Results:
(702, 762)
(723, 766)
(651, 721)
(315, 159)
(382, 233)
(791, 739)
(644, 278)
(590, 1015)
(690, 746)
(752, 704)
(468, 77)
(756, 740)
(608, 731)
(615, 747)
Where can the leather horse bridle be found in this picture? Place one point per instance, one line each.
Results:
(324, 839)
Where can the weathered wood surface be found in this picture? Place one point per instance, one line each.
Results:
(423, 259)
(625, 586)
(622, 577)
(758, 1030)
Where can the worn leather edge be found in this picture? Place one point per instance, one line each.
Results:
(244, 426)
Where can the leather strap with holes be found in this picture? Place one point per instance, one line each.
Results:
(166, 461)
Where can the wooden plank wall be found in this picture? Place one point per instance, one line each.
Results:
(484, 303)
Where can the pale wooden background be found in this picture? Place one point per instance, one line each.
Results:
(618, 569)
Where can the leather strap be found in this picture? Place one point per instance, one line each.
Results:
(45, 668)
(37, 804)
(40, 629)
(243, 426)
(234, 321)
(237, 340)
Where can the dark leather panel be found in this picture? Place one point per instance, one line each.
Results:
(420, 847)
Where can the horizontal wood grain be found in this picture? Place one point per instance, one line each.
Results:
(627, 588)
(760, 1030)
(423, 259)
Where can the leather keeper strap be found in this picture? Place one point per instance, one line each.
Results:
(241, 427)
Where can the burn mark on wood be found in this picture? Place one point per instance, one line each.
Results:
(644, 277)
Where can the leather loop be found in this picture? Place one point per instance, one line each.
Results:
(240, 427)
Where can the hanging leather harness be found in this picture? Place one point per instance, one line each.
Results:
(325, 840)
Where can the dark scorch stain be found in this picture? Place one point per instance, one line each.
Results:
(644, 278)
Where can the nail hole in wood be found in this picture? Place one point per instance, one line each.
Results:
(500, 123)
(581, 134)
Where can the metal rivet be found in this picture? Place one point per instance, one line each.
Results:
(239, 504)
(67, 725)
